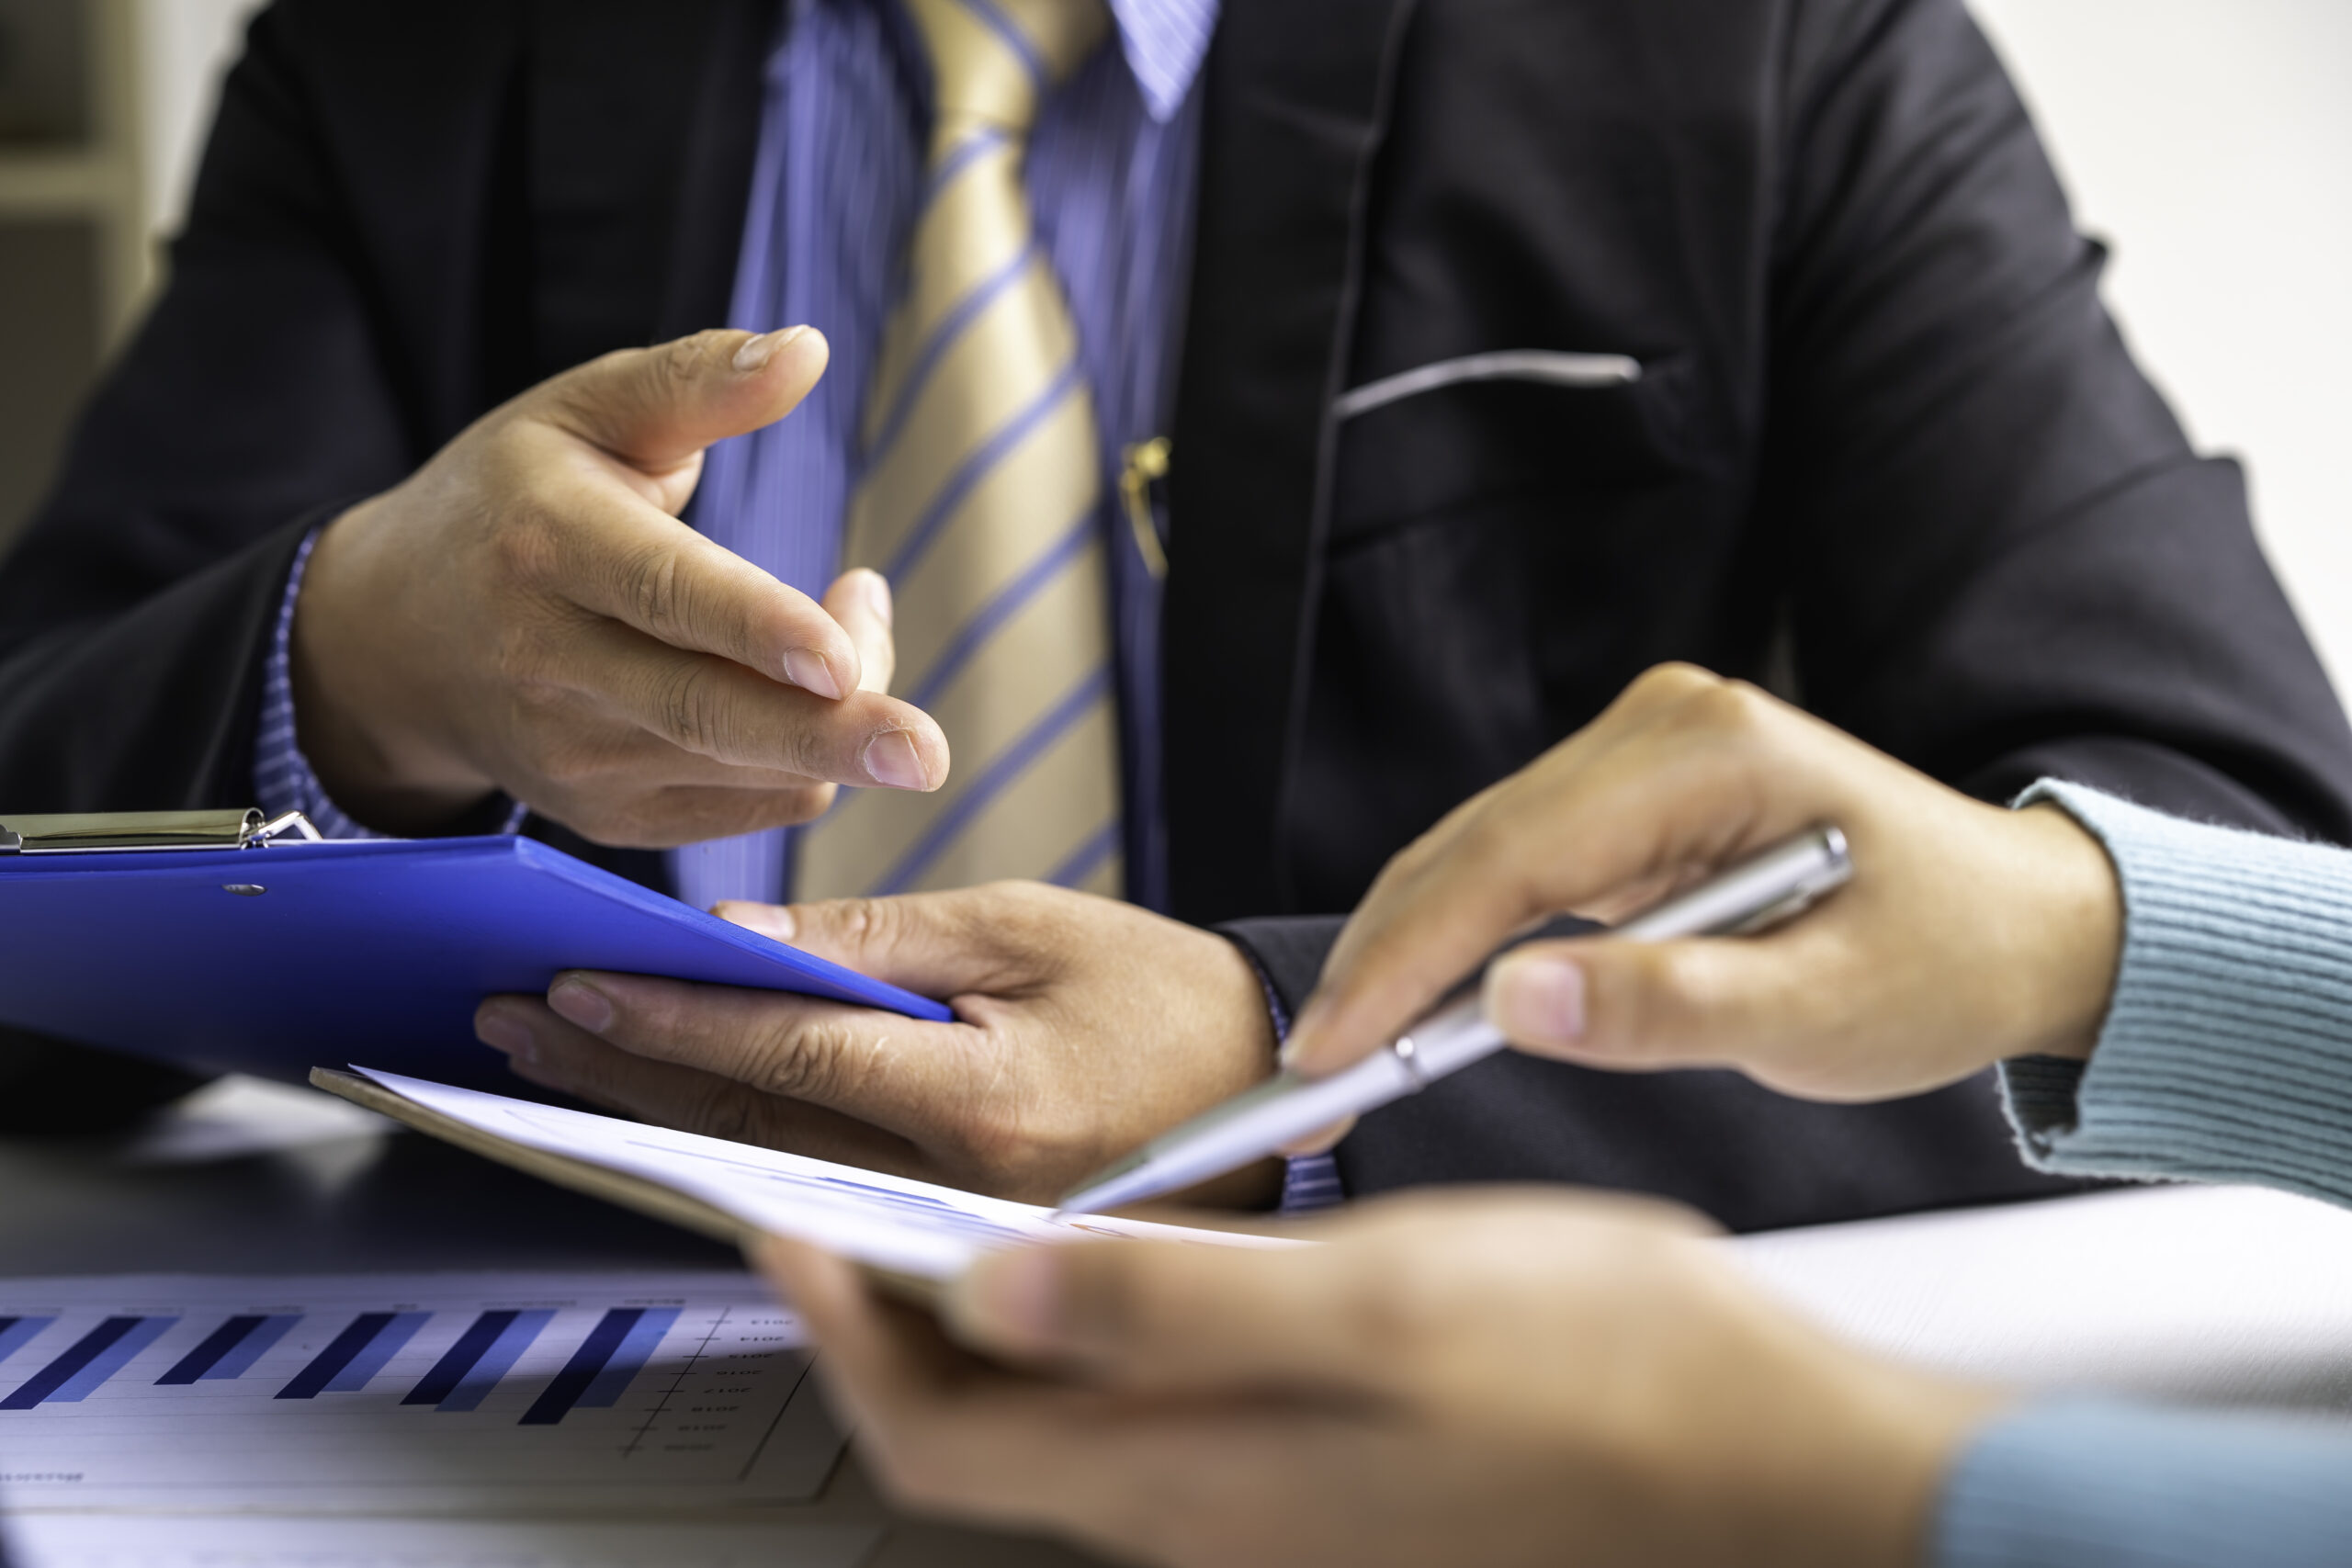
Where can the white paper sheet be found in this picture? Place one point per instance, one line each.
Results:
(914, 1227)
(2222, 1295)
(417, 1394)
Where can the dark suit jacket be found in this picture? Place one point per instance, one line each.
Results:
(1883, 420)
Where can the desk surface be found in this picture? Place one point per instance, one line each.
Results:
(2224, 1295)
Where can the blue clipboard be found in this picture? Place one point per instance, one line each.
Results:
(366, 950)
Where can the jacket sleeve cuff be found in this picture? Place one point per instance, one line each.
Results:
(2105, 1483)
(2223, 1058)
(1287, 955)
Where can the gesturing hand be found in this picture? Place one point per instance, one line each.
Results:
(1083, 1026)
(1496, 1377)
(527, 613)
(1968, 934)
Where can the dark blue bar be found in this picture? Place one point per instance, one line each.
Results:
(257, 1344)
(582, 1370)
(459, 1359)
(496, 1362)
(16, 1332)
(629, 1359)
(85, 1350)
(144, 1332)
(216, 1344)
(336, 1355)
(389, 1341)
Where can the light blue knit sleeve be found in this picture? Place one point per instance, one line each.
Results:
(2226, 1056)
(2227, 1051)
(2098, 1483)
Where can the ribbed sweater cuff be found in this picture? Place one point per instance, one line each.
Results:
(2098, 1483)
(2224, 1056)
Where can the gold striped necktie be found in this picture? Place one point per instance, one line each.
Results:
(980, 503)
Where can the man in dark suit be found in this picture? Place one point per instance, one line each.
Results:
(1525, 343)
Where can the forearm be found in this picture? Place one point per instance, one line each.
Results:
(2227, 1051)
(2081, 1484)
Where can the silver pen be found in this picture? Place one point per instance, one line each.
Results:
(1763, 891)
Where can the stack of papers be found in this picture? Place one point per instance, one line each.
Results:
(911, 1231)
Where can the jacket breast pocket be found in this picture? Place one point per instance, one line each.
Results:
(1520, 422)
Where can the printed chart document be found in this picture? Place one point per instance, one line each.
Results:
(413, 1393)
(913, 1230)
(179, 1540)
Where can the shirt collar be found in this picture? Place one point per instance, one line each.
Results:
(1164, 41)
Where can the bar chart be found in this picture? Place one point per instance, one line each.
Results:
(440, 1392)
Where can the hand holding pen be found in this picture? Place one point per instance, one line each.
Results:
(2007, 920)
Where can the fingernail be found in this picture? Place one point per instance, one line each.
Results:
(583, 1004)
(1011, 1300)
(775, 920)
(1536, 1001)
(891, 760)
(756, 352)
(877, 590)
(505, 1032)
(812, 671)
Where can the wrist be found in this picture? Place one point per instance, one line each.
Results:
(356, 695)
(2077, 935)
(1911, 1428)
(1826, 1453)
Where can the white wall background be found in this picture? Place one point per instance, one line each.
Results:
(184, 47)
(2211, 142)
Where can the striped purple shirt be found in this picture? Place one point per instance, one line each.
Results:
(833, 195)
(835, 186)
(839, 178)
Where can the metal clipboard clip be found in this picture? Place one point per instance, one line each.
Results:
(120, 831)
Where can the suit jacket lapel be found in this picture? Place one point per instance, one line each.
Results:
(713, 184)
(638, 124)
(1297, 97)
(642, 119)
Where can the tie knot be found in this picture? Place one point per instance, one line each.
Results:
(992, 59)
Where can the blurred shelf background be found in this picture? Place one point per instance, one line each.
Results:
(102, 109)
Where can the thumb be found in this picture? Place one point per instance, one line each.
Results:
(1173, 1314)
(1641, 1007)
(656, 408)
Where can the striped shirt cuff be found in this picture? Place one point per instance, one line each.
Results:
(2100, 1483)
(2224, 1055)
(283, 778)
(1309, 1182)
